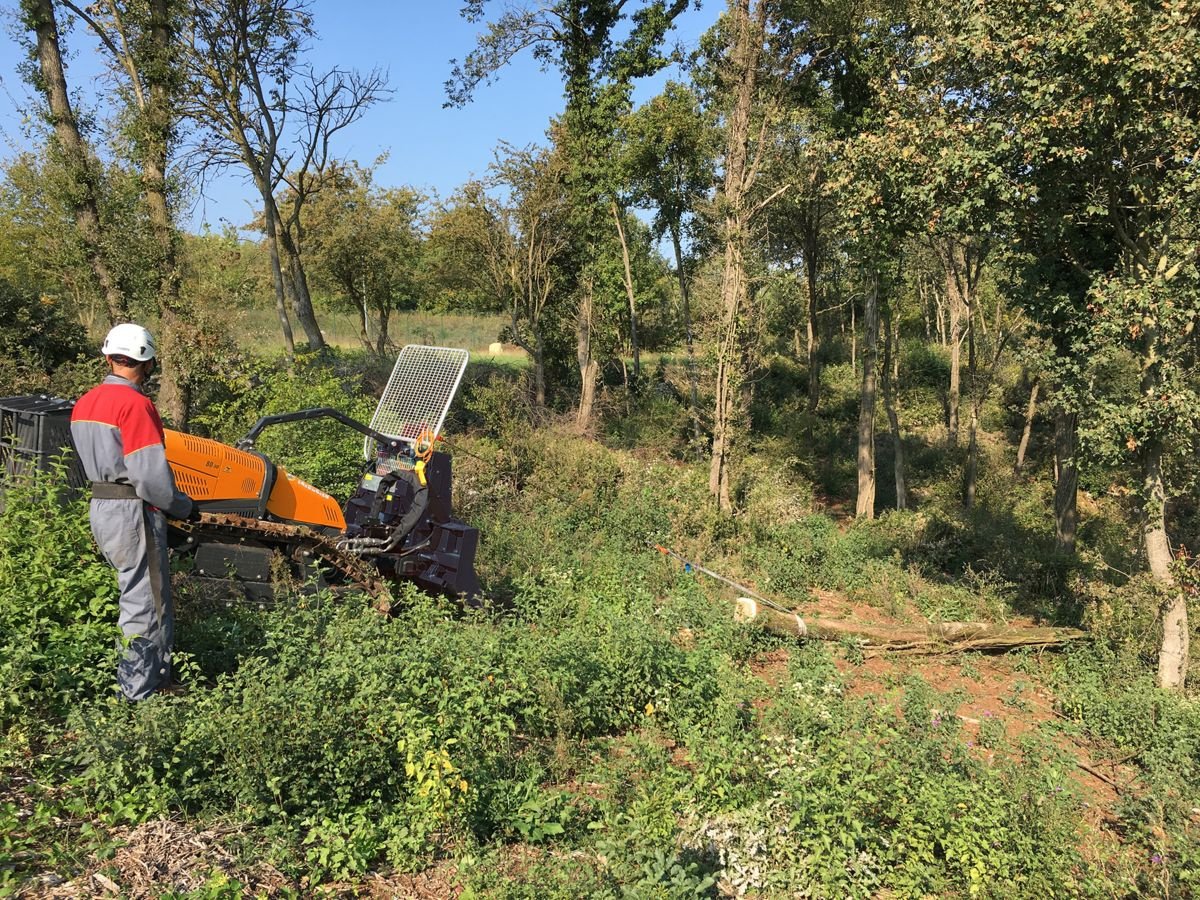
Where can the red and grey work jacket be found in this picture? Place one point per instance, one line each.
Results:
(119, 438)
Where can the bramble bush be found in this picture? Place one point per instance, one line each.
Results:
(391, 739)
(58, 603)
(595, 729)
(323, 452)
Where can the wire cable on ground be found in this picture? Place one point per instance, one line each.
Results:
(688, 565)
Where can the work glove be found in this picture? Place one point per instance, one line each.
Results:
(194, 513)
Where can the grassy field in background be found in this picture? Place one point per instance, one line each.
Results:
(259, 329)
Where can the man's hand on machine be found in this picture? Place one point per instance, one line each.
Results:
(194, 513)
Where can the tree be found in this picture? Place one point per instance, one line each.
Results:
(79, 161)
(581, 38)
(256, 105)
(515, 250)
(747, 29)
(365, 242)
(802, 222)
(141, 41)
(669, 149)
(1103, 126)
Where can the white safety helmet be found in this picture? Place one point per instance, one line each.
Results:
(129, 340)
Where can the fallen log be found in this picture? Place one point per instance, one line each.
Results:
(932, 638)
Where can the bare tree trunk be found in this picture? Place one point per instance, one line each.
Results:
(628, 270)
(539, 372)
(588, 367)
(285, 324)
(812, 332)
(940, 310)
(1173, 652)
(1027, 431)
(745, 54)
(864, 507)
(971, 470)
(923, 295)
(364, 337)
(891, 378)
(39, 16)
(853, 337)
(301, 301)
(1066, 479)
(176, 393)
(955, 338)
(728, 365)
(686, 309)
(381, 340)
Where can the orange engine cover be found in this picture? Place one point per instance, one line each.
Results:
(298, 501)
(208, 470)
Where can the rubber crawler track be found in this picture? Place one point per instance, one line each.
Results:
(289, 539)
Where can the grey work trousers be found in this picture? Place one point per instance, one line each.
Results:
(133, 538)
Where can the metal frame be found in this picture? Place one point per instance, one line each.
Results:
(418, 393)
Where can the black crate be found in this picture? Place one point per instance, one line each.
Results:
(33, 432)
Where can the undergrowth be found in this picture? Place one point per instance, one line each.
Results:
(596, 727)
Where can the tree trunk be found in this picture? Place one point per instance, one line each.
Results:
(971, 470)
(39, 16)
(853, 337)
(940, 309)
(864, 507)
(1066, 479)
(301, 300)
(1173, 652)
(727, 384)
(381, 340)
(922, 293)
(588, 367)
(628, 271)
(176, 393)
(812, 333)
(1027, 431)
(890, 383)
(955, 338)
(285, 324)
(364, 337)
(685, 305)
(744, 56)
(539, 372)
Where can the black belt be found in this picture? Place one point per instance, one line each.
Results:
(111, 490)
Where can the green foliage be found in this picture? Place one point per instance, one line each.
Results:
(1111, 696)
(58, 606)
(38, 335)
(360, 739)
(323, 452)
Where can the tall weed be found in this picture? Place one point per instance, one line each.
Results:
(58, 602)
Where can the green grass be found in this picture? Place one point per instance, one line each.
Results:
(258, 329)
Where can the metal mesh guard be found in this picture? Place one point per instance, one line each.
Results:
(418, 394)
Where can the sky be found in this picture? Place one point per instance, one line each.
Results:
(429, 147)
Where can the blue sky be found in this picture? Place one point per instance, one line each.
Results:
(430, 148)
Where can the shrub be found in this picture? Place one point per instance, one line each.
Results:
(38, 335)
(58, 602)
(323, 452)
(385, 739)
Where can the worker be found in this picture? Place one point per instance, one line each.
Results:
(118, 436)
